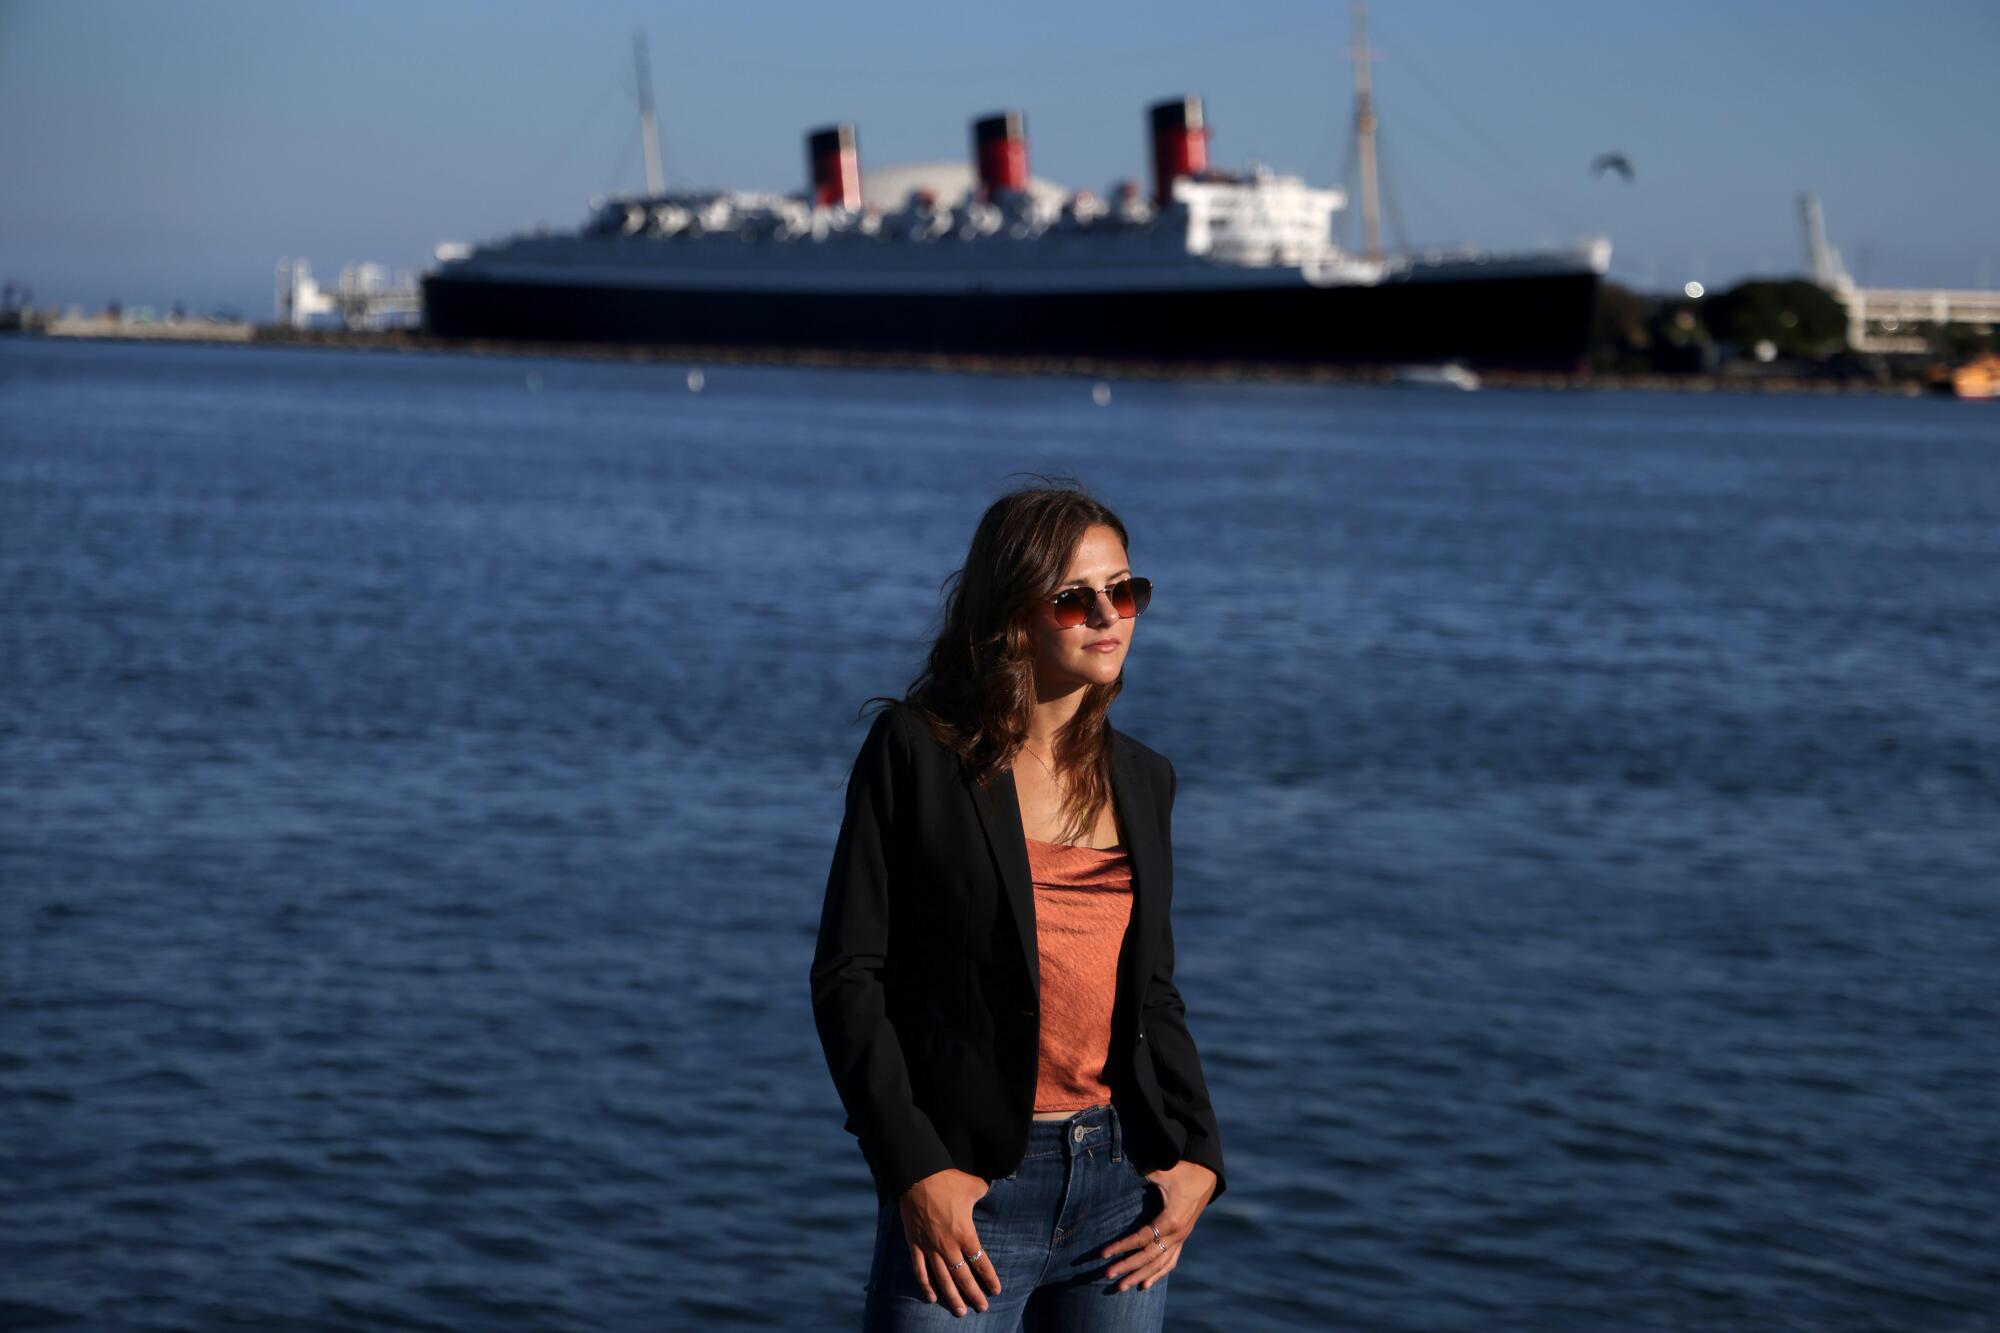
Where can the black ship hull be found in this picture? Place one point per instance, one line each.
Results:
(1538, 321)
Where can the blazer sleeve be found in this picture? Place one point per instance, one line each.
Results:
(1177, 1062)
(850, 1009)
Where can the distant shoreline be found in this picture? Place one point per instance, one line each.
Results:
(1075, 367)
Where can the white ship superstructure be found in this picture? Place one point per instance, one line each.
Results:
(1212, 233)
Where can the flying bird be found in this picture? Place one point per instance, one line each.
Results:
(1617, 162)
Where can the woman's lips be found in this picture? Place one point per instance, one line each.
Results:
(1102, 646)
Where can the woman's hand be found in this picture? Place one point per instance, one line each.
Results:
(1186, 1187)
(937, 1220)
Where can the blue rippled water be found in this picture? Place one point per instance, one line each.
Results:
(419, 775)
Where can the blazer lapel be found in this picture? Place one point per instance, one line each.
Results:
(1142, 837)
(999, 810)
(999, 807)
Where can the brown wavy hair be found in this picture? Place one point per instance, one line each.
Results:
(977, 690)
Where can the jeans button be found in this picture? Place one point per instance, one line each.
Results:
(1078, 1135)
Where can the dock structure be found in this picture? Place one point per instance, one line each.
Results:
(1891, 319)
(366, 296)
(1887, 319)
(127, 329)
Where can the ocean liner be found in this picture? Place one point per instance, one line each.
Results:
(1212, 266)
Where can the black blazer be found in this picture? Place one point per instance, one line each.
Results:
(926, 979)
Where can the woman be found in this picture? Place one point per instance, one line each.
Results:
(993, 982)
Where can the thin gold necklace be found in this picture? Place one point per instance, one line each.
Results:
(1045, 765)
(1058, 781)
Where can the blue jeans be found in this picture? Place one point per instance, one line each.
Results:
(1043, 1227)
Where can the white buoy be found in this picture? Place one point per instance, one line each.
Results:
(1100, 394)
(696, 380)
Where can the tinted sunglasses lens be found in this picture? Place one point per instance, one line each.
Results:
(1131, 597)
(1073, 607)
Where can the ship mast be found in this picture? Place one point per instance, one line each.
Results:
(1364, 137)
(656, 183)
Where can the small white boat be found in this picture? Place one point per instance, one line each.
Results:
(1450, 375)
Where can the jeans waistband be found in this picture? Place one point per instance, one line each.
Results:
(1092, 1127)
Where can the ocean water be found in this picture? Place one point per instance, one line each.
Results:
(418, 776)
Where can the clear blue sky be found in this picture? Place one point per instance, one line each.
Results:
(154, 152)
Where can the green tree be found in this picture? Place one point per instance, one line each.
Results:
(1799, 318)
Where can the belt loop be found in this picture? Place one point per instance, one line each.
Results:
(1117, 1136)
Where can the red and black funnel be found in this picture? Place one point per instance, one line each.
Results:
(1180, 144)
(1000, 151)
(835, 163)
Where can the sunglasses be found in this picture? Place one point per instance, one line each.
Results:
(1129, 597)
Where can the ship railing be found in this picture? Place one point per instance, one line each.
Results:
(977, 218)
(1593, 251)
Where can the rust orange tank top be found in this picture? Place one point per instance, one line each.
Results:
(1083, 902)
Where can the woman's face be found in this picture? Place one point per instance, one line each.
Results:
(1092, 653)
